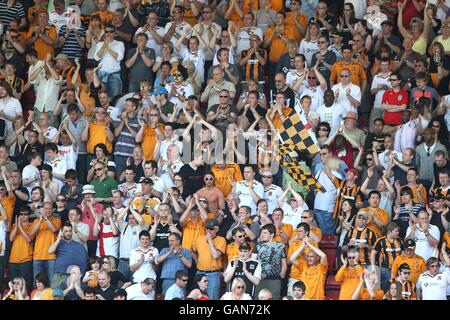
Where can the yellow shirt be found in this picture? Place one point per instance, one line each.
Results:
(21, 249)
(205, 261)
(349, 279)
(44, 239)
(192, 229)
(314, 278)
(97, 134)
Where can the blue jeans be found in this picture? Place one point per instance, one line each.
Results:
(121, 164)
(112, 82)
(124, 268)
(325, 221)
(43, 266)
(385, 275)
(213, 284)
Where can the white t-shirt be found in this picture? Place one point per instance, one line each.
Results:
(30, 172)
(68, 154)
(293, 216)
(2, 238)
(151, 43)
(423, 247)
(271, 195)
(108, 63)
(228, 296)
(316, 93)
(308, 49)
(134, 292)
(146, 269)
(343, 100)
(333, 115)
(325, 201)
(50, 133)
(433, 288)
(11, 107)
(378, 79)
(180, 30)
(185, 90)
(108, 242)
(59, 166)
(245, 196)
(58, 20)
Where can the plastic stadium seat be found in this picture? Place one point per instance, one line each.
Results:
(332, 294)
(328, 240)
(332, 283)
(332, 259)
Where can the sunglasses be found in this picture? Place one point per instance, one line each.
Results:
(323, 129)
(99, 169)
(240, 287)
(100, 112)
(184, 280)
(60, 200)
(345, 76)
(109, 31)
(266, 177)
(393, 79)
(204, 201)
(312, 78)
(208, 179)
(241, 236)
(177, 74)
(24, 214)
(223, 96)
(303, 217)
(211, 229)
(351, 258)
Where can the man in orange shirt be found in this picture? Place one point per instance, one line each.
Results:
(349, 274)
(276, 39)
(209, 250)
(226, 174)
(193, 223)
(21, 258)
(377, 216)
(296, 20)
(44, 232)
(313, 270)
(415, 262)
(357, 73)
(149, 132)
(42, 37)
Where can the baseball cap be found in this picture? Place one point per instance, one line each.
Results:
(211, 223)
(57, 292)
(245, 246)
(147, 180)
(160, 90)
(409, 244)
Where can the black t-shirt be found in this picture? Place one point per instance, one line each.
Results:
(437, 221)
(117, 278)
(73, 295)
(436, 173)
(400, 175)
(290, 97)
(193, 178)
(139, 171)
(27, 149)
(162, 236)
(251, 266)
(108, 294)
(227, 221)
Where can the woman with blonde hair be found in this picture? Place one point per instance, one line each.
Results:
(237, 291)
(17, 290)
(420, 30)
(310, 45)
(108, 263)
(438, 62)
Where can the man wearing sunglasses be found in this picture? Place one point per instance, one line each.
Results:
(212, 194)
(408, 287)
(349, 274)
(178, 289)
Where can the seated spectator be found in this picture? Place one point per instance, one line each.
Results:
(144, 290)
(237, 291)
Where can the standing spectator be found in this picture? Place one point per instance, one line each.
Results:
(331, 111)
(216, 85)
(108, 235)
(347, 94)
(102, 184)
(21, 257)
(432, 284)
(68, 251)
(349, 274)
(425, 234)
(173, 259)
(140, 61)
(110, 53)
(44, 232)
(409, 257)
(361, 237)
(80, 230)
(394, 101)
(125, 131)
(249, 190)
(425, 155)
(384, 252)
(209, 249)
(143, 259)
(272, 256)
(314, 269)
(72, 39)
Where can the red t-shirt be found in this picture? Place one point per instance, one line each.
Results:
(346, 155)
(411, 12)
(395, 98)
